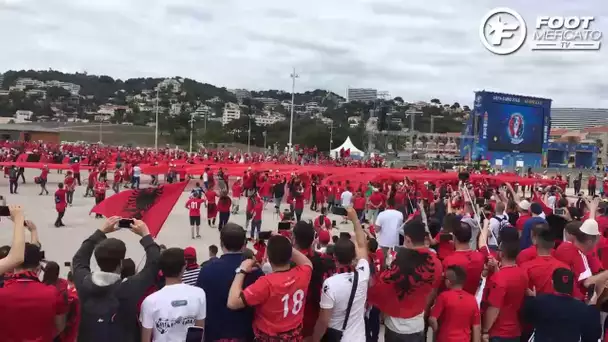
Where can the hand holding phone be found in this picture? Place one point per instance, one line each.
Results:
(195, 334)
(125, 223)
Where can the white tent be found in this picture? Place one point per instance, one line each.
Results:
(347, 145)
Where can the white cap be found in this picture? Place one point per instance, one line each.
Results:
(524, 205)
(590, 227)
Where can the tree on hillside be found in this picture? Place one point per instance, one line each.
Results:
(398, 99)
(436, 101)
(56, 93)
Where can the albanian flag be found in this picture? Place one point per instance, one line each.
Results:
(151, 205)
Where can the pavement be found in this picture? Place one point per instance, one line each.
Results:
(60, 244)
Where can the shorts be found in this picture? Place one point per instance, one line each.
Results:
(195, 220)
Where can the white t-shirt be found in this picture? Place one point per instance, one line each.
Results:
(390, 222)
(346, 198)
(136, 171)
(335, 296)
(171, 310)
(205, 177)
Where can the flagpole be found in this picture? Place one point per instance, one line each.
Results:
(156, 125)
(293, 97)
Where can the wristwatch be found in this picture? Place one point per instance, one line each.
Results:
(240, 270)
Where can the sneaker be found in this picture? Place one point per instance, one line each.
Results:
(198, 236)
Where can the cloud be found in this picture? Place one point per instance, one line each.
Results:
(417, 50)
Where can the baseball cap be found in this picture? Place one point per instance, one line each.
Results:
(324, 236)
(590, 227)
(563, 281)
(190, 253)
(524, 205)
(536, 208)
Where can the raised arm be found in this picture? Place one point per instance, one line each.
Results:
(17, 253)
(360, 236)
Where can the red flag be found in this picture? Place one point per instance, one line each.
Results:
(151, 205)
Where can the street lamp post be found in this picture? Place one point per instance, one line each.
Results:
(191, 129)
(331, 135)
(156, 126)
(249, 135)
(293, 98)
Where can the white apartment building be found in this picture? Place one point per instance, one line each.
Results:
(175, 109)
(28, 82)
(353, 121)
(203, 111)
(23, 115)
(266, 120)
(362, 94)
(231, 112)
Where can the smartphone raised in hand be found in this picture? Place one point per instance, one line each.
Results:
(195, 334)
(4, 210)
(125, 223)
(264, 235)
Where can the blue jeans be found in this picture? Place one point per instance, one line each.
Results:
(256, 225)
(135, 182)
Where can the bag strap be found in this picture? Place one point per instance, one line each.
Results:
(351, 299)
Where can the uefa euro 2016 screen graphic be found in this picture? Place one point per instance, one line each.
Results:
(515, 128)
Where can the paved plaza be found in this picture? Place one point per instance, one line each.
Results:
(60, 244)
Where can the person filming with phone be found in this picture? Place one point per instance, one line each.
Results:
(109, 303)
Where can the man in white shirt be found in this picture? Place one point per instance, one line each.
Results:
(136, 176)
(337, 289)
(388, 225)
(346, 198)
(499, 220)
(167, 313)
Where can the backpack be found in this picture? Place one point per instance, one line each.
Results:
(503, 222)
(101, 317)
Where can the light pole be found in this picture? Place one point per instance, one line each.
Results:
(101, 131)
(433, 122)
(191, 129)
(156, 126)
(249, 135)
(331, 135)
(293, 98)
(264, 134)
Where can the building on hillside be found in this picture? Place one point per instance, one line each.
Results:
(268, 102)
(175, 109)
(362, 94)
(28, 82)
(23, 115)
(241, 94)
(1, 79)
(36, 92)
(169, 84)
(266, 120)
(28, 132)
(203, 111)
(353, 121)
(231, 112)
(74, 89)
(578, 118)
(5, 92)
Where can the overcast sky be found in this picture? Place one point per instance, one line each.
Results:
(414, 49)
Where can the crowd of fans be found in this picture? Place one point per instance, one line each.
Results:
(463, 262)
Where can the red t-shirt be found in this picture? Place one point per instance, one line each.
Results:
(540, 272)
(60, 199)
(224, 204)
(100, 188)
(359, 203)
(117, 176)
(376, 200)
(457, 311)
(237, 189)
(92, 177)
(527, 254)
(44, 175)
(444, 248)
(258, 207)
(194, 206)
(299, 202)
(211, 195)
(69, 182)
(505, 290)
(29, 309)
(75, 167)
(519, 224)
(579, 264)
(279, 300)
(472, 262)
